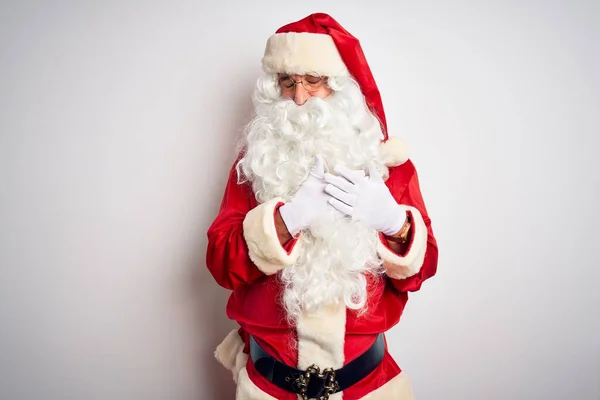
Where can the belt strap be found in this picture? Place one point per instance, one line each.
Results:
(312, 382)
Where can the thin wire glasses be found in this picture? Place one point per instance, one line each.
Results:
(311, 82)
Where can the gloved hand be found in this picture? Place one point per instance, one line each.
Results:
(365, 198)
(310, 201)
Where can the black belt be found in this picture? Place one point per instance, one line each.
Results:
(312, 382)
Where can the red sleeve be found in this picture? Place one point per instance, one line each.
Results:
(227, 255)
(407, 192)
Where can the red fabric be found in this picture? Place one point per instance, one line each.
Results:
(409, 192)
(352, 54)
(227, 254)
(255, 302)
(226, 243)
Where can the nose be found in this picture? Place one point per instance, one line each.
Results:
(301, 95)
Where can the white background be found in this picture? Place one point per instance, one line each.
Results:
(117, 123)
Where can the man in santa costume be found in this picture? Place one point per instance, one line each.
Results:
(322, 230)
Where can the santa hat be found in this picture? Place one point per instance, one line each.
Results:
(319, 44)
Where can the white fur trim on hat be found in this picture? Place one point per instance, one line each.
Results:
(264, 247)
(302, 53)
(394, 152)
(400, 267)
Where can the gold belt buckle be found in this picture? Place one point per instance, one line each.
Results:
(301, 382)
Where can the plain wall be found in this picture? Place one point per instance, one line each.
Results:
(117, 130)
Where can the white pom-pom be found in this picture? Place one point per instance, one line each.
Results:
(394, 152)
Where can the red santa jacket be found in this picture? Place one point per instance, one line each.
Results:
(244, 255)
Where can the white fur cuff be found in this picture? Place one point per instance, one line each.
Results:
(302, 53)
(264, 247)
(400, 267)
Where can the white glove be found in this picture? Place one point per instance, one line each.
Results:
(310, 201)
(365, 198)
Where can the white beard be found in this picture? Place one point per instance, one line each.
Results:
(280, 146)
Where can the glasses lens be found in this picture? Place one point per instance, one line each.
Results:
(312, 82)
(286, 83)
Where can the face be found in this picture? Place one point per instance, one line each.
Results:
(302, 87)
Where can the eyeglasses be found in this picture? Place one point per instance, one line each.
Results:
(311, 82)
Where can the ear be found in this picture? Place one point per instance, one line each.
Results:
(394, 152)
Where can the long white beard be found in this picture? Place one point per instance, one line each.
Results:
(280, 146)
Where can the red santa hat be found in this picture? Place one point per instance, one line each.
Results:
(319, 44)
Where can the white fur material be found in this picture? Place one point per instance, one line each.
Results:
(400, 267)
(394, 152)
(264, 247)
(398, 388)
(321, 339)
(247, 390)
(227, 351)
(302, 53)
(230, 353)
